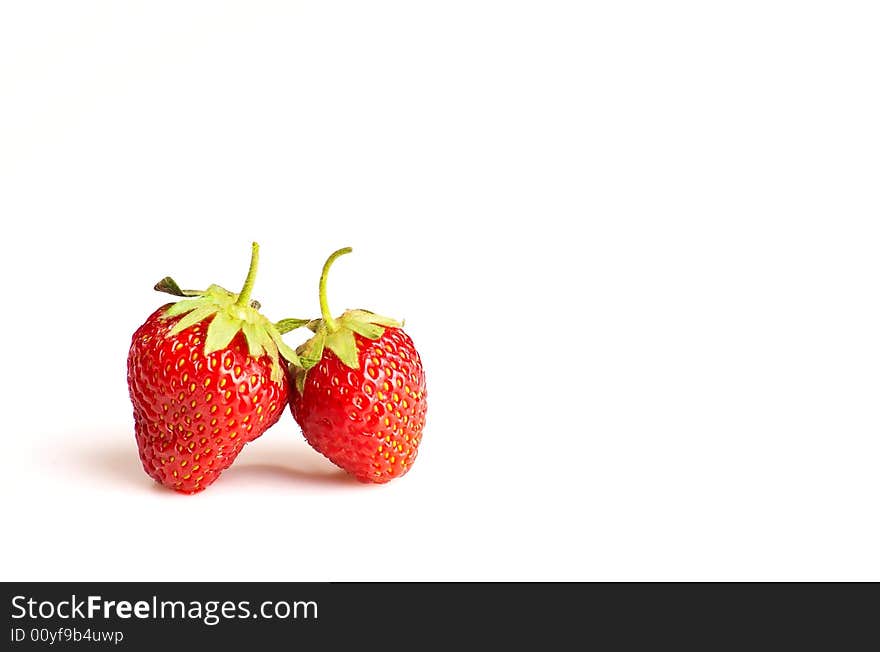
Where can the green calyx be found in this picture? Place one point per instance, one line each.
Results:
(230, 314)
(337, 334)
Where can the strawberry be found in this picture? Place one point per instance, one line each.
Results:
(204, 378)
(360, 394)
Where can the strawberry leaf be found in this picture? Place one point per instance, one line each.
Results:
(169, 286)
(219, 292)
(300, 380)
(181, 307)
(221, 330)
(287, 325)
(193, 317)
(275, 374)
(286, 352)
(264, 338)
(343, 344)
(311, 351)
(371, 318)
(370, 331)
(252, 335)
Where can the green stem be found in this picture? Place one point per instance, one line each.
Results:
(244, 296)
(329, 322)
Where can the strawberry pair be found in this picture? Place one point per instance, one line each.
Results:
(210, 373)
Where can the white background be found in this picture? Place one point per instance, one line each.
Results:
(635, 242)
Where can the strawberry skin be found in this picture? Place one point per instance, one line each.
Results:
(194, 412)
(367, 420)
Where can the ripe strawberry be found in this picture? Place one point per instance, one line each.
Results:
(360, 395)
(205, 379)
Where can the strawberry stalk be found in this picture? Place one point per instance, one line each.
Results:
(244, 296)
(331, 324)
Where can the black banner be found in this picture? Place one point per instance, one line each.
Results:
(386, 616)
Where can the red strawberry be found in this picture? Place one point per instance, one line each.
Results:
(360, 397)
(205, 379)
